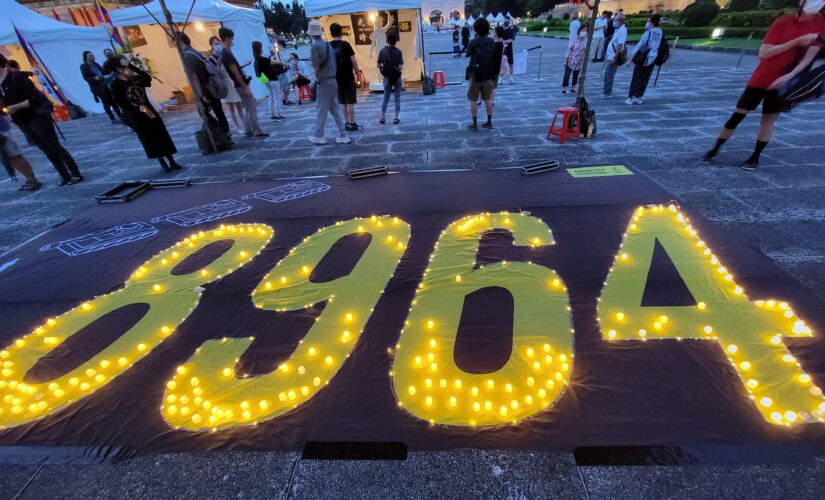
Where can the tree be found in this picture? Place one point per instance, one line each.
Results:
(700, 13)
(742, 5)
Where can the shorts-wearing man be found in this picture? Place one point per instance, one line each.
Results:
(483, 54)
(323, 62)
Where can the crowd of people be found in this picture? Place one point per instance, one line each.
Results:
(217, 78)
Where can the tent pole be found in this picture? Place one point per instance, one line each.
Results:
(198, 101)
(420, 24)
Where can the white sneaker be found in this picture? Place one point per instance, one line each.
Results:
(629, 101)
(637, 101)
(343, 140)
(318, 140)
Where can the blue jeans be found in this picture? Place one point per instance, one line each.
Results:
(389, 88)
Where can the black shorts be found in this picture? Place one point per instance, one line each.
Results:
(346, 92)
(509, 53)
(752, 96)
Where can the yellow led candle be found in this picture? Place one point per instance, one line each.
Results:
(224, 400)
(171, 298)
(539, 366)
(750, 333)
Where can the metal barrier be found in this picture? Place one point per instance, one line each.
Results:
(744, 49)
(541, 56)
(432, 68)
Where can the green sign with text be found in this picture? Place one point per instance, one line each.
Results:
(608, 171)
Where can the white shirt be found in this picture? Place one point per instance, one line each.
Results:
(619, 38)
(575, 25)
(600, 23)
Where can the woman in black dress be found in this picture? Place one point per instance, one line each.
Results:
(129, 92)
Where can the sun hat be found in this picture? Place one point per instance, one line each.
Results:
(314, 29)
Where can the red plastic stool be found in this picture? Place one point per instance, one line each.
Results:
(564, 130)
(438, 79)
(304, 93)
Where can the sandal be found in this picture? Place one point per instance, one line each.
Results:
(31, 186)
(396, 121)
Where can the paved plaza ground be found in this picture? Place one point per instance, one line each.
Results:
(779, 209)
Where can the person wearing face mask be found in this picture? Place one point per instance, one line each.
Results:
(644, 57)
(790, 45)
(614, 54)
(298, 74)
(232, 99)
(573, 61)
(195, 66)
(575, 26)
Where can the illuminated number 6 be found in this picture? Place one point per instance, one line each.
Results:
(163, 286)
(427, 381)
(205, 392)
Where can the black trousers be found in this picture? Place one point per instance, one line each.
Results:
(42, 133)
(105, 97)
(567, 72)
(217, 110)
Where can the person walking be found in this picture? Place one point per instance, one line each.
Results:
(503, 67)
(232, 99)
(790, 45)
(323, 62)
(196, 67)
(456, 44)
(129, 90)
(93, 74)
(269, 72)
(644, 56)
(241, 83)
(391, 66)
(347, 71)
(481, 71)
(614, 55)
(11, 156)
(509, 38)
(31, 111)
(465, 37)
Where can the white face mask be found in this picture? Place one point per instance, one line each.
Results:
(216, 48)
(813, 6)
(648, 25)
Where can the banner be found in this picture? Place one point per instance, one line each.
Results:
(41, 74)
(479, 309)
(520, 63)
(363, 26)
(106, 21)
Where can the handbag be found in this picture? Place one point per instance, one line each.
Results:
(640, 57)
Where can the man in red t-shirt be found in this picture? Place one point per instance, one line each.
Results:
(790, 45)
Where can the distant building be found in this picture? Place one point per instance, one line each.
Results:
(629, 6)
(439, 12)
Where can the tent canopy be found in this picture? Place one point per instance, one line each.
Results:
(317, 8)
(38, 28)
(203, 10)
(499, 18)
(248, 25)
(471, 20)
(490, 17)
(59, 45)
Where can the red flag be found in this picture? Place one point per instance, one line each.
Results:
(42, 77)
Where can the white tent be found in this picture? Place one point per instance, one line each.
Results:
(499, 18)
(471, 20)
(59, 45)
(354, 17)
(509, 15)
(206, 18)
(491, 18)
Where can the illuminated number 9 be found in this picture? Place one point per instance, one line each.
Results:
(205, 392)
(427, 381)
(163, 288)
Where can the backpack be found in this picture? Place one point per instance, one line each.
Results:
(428, 85)
(664, 52)
(215, 85)
(389, 71)
(805, 87)
(482, 66)
(610, 28)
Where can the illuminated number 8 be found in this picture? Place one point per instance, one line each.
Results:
(164, 285)
(427, 381)
(205, 392)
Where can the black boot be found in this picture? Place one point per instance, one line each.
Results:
(164, 166)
